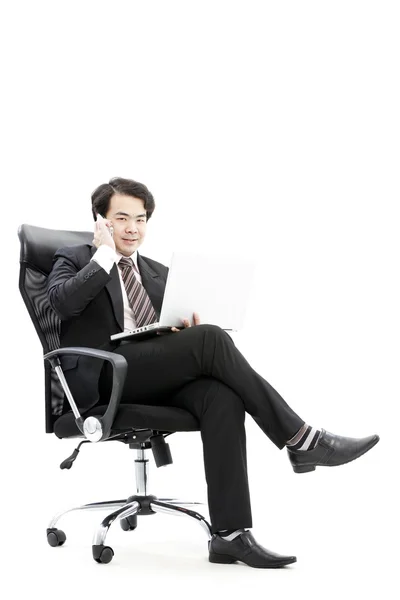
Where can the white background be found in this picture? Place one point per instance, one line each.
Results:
(270, 128)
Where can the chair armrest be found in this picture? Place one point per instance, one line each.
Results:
(95, 428)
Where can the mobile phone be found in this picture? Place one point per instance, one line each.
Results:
(110, 228)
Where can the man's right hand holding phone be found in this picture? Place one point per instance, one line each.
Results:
(102, 233)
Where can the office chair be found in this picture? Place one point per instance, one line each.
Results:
(141, 427)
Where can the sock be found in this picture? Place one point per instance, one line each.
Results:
(230, 534)
(305, 439)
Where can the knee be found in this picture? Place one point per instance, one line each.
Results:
(213, 334)
(224, 400)
(212, 329)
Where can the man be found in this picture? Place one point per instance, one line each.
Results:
(109, 287)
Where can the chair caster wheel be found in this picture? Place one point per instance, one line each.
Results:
(55, 537)
(129, 523)
(102, 554)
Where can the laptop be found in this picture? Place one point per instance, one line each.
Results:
(217, 286)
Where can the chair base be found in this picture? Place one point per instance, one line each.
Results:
(126, 511)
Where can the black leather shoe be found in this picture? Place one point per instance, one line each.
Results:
(245, 548)
(331, 451)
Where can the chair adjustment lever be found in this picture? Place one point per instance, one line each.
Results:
(67, 463)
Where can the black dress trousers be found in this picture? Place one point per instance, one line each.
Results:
(200, 369)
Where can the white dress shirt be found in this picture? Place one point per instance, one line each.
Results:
(106, 258)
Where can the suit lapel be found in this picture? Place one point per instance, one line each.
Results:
(113, 287)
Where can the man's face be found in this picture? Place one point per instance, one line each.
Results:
(128, 218)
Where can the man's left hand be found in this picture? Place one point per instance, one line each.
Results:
(186, 322)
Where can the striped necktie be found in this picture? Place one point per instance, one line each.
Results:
(137, 295)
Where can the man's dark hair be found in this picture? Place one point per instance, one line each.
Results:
(117, 185)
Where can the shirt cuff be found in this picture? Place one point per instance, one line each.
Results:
(105, 257)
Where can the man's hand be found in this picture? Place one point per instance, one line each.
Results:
(102, 235)
(186, 322)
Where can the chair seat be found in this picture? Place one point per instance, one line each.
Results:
(133, 416)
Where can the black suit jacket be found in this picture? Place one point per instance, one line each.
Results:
(89, 303)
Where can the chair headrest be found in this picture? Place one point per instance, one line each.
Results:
(38, 244)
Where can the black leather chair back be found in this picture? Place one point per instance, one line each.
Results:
(38, 246)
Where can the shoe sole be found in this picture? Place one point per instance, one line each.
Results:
(225, 559)
(309, 468)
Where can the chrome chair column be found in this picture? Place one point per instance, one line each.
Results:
(141, 472)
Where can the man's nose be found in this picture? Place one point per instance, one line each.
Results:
(132, 227)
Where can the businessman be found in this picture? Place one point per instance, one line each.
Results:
(108, 287)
